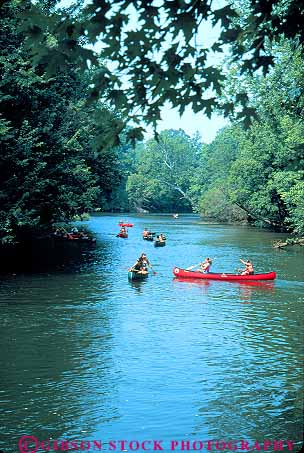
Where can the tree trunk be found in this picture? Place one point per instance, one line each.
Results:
(178, 189)
(258, 217)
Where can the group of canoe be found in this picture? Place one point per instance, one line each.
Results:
(140, 269)
(158, 239)
(61, 234)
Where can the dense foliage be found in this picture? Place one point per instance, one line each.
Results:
(59, 120)
(162, 171)
(158, 52)
(254, 175)
(266, 175)
(54, 162)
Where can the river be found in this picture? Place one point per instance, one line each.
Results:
(85, 354)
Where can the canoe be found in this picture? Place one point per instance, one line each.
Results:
(122, 235)
(159, 243)
(74, 237)
(121, 224)
(148, 238)
(136, 276)
(183, 273)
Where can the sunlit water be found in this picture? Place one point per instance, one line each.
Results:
(85, 354)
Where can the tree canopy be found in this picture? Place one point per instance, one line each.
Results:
(162, 172)
(254, 175)
(264, 166)
(64, 107)
(55, 161)
(155, 52)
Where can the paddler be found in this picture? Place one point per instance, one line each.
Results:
(141, 265)
(146, 233)
(249, 270)
(145, 262)
(205, 266)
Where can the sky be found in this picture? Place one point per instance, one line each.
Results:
(190, 122)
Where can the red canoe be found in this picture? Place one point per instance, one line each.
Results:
(126, 224)
(183, 273)
(122, 235)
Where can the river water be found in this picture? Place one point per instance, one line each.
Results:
(87, 355)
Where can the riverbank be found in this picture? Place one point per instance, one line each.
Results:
(289, 241)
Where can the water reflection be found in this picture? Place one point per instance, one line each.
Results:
(88, 354)
(57, 365)
(138, 285)
(246, 290)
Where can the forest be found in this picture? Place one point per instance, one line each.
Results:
(72, 120)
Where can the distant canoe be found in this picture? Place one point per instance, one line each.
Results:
(122, 235)
(159, 243)
(121, 224)
(132, 275)
(74, 237)
(183, 273)
(148, 238)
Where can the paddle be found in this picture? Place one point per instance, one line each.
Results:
(135, 270)
(154, 273)
(192, 267)
(66, 232)
(195, 265)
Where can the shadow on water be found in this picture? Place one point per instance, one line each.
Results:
(57, 330)
(49, 255)
(138, 285)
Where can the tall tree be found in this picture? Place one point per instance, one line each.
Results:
(265, 166)
(163, 172)
(211, 187)
(52, 165)
(268, 175)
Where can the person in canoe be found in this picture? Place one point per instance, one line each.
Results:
(161, 238)
(202, 267)
(145, 262)
(138, 267)
(146, 233)
(249, 270)
(142, 264)
(205, 266)
(123, 230)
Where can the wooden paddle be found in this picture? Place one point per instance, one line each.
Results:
(192, 267)
(154, 273)
(195, 265)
